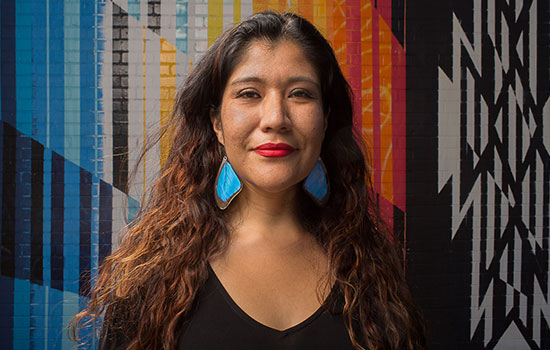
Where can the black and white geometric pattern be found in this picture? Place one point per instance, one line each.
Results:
(494, 153)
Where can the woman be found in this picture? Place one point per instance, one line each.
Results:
(261, 232)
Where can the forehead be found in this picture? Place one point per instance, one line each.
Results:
(274, 60)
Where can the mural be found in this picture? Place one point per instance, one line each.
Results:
(452, 100)
(485, 144)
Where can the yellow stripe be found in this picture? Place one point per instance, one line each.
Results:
(215, 20)
(144, 113)
(259, 5)
(167, 93)
(236, 11)
(320, 16)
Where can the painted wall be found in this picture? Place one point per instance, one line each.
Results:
(451, 96)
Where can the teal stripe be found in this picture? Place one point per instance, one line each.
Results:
(133, 8)
(23, 67)
(21, 314)
(71, 11)
(181, 25)
(70, 308)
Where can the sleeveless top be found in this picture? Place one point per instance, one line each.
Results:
(217, 322)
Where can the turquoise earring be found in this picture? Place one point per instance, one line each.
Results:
(316, 184)
(228, 185)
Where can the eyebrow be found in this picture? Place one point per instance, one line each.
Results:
(254, 79)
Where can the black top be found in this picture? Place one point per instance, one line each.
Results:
(217, 322)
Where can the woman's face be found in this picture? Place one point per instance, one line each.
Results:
(271, 120)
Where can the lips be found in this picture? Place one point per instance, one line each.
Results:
(274, 150)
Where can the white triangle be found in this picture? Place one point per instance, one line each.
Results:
(512, 339)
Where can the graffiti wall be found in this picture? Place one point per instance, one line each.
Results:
(451, 97)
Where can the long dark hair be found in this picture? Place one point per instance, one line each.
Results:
(155, 274)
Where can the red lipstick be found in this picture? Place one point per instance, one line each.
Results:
(274, 150)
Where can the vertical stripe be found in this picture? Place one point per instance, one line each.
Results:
(47, 144)
(153, 16)
(8, 200)
(37, 322)
(339, 33)
(46, 236)
(399, 123)
(23, 67)
(39, 72)
(366, 75)
(71, 23)
(228, 17)
(320, 16)
(22, 203)
(21, 313)
(259, 5)
(105, 92)
(353, 57)
(120, 98)
(167, 92)
(135, 103)
(71, 225)
(134, 8)
(105, 220)
(385, 69)
(182, 23)
(87, 87)
(7, 66)
(236, 11)
(56, 77)
(215, 20)
(54, 318)
(152, 98)
(85, 230)
(57, 220)
(376, 103)
(70, 308)
(6, 311)
(37, 211)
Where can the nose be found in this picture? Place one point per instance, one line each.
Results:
(275, 113)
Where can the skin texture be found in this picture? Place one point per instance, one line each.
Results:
(273, 269)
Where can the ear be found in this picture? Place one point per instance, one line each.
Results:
(216, 120)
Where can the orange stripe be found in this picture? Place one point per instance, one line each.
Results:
(305, 9)
(167, 92)
(366, 74)
(320, 16)
(385, 59)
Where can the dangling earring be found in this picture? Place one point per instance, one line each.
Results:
(316, 184)
(228, 185)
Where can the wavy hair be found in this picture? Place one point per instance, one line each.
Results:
(155, 274)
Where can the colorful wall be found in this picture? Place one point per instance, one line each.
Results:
(451, 96)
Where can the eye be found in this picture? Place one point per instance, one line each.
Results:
(301, 93)
(248, 94)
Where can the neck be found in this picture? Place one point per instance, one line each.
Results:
(257, 216)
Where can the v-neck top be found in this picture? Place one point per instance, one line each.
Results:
(217, 322)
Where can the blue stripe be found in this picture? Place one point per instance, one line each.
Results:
(134, 8)
(6, 312)
(39, 81)
(47, 219)
(21, 314)
(55, 328)
(57, 78)
(23, 56)
(181, 25)
(87, 86)
(38, 310)
(71, 231)
(71, 22)
(7, 66)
